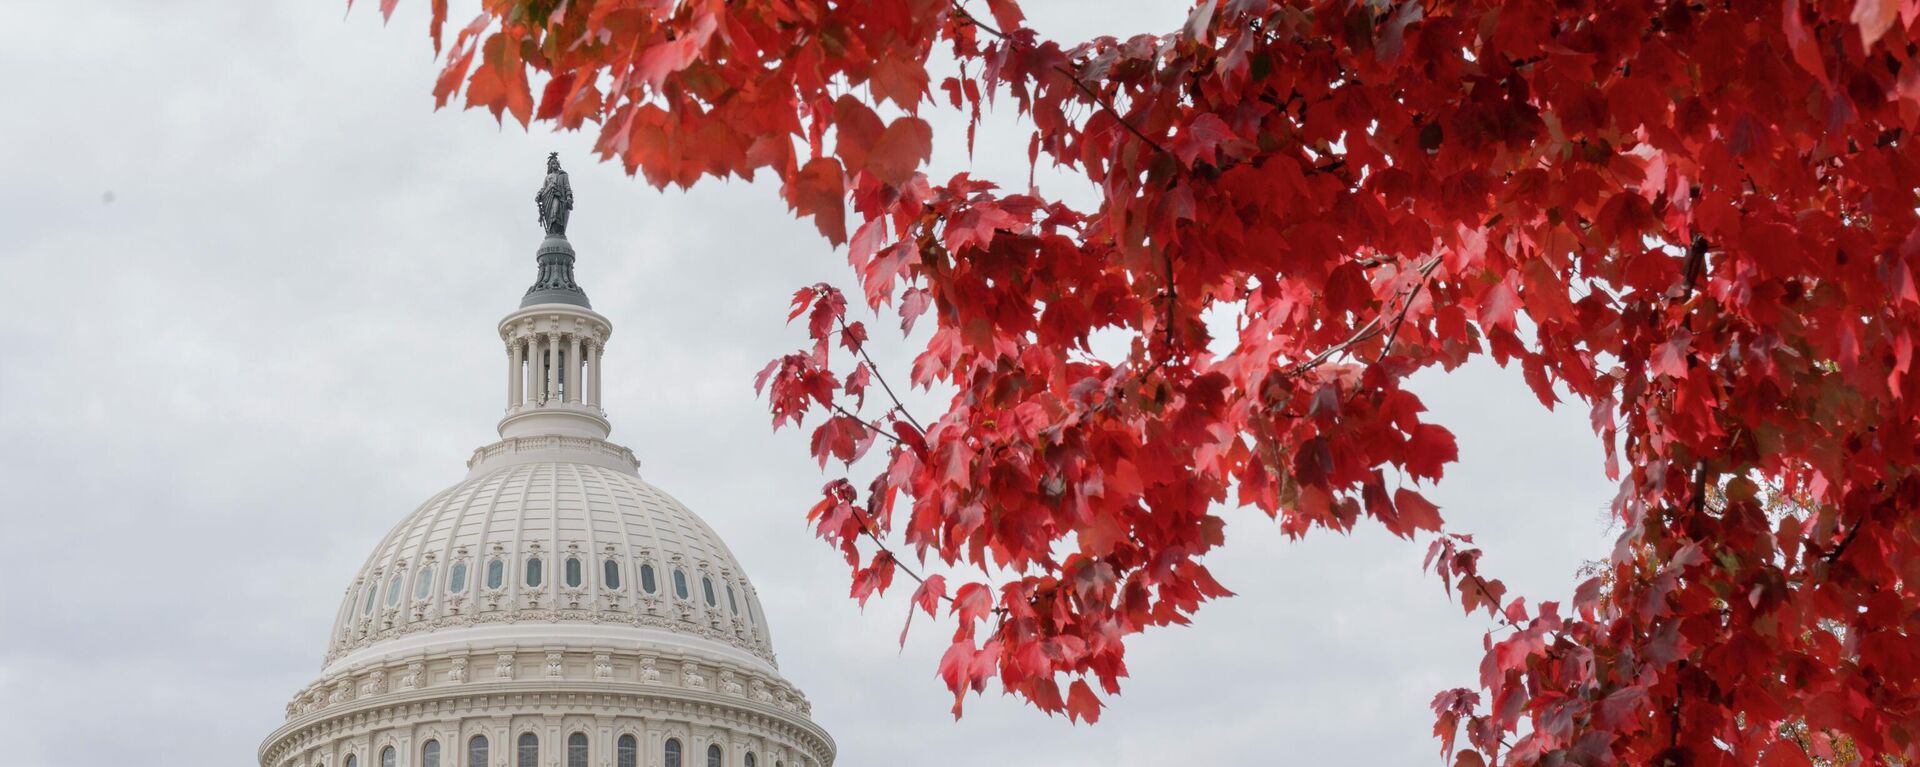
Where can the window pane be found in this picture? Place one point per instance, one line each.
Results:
(706, 585)
(430, 754)
(627, 752)
(477, 751)
(610, 573)
(368, 609)
(496, 573)
(646, 578)
(352, 761)
(750, 762)
(673, 752)
(733, 606)
(457, 578)
(680, 584)
(573, 572)
(393, 590)
(533, 572)
(529, 755)
(423, 583)
(577, 750)
(387, 758)
(713, 756)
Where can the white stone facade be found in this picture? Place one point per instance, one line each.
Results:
(552, 607)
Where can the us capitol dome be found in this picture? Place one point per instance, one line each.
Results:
(552, 609)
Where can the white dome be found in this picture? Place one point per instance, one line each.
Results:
(550, 539)
(552, 602)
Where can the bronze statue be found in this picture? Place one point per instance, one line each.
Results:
(555, 198)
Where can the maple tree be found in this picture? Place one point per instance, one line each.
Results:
(1696, 220)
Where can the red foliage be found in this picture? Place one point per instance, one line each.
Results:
(1698, 220)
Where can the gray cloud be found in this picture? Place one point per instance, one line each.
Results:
(250, 286)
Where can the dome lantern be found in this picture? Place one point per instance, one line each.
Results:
(554, 341)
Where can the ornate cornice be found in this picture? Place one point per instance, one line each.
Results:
(777, 715)
(555, 447)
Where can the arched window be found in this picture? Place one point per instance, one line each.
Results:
(577, 750)
(672, 751)
(496, 574)
(713, 756)
(430, 754)
(706, 585)
(368, 609)
(680, 584)
(393, 590)
(750, 760)
(610, 574)
(573, 572)
(352, 761)
(388, 758)
(529, 751)
(646, 578)
(477, 751)
(533, 572)
(733, 605)
(626, 752)
(457, 577)
(423, 583)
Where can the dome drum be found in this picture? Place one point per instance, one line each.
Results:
(653, 691)
(611, 720)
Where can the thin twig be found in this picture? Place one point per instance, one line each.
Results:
(898, 406)
(1098, 99)
(1173, 299)
(864, 422)
(868, 527)
(1105, 104)
(1406, 304)
(1368, 330)
(1844, 542)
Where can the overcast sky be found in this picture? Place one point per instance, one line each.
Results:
(248, 287)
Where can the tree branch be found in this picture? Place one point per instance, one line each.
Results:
(1099, 100)
(1852, 532)
(1370, 329)
(1406, 304)
(898, 406)
(864, 422)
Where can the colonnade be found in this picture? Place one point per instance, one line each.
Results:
(553, 368)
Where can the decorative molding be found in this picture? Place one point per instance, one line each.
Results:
(554, 443)
(419, 715)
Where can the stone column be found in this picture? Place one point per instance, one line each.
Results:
(574, 369)
(593, 373)
(553, 365)
(532, 372)
(515, 361)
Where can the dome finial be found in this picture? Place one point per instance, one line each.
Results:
(554, 284)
